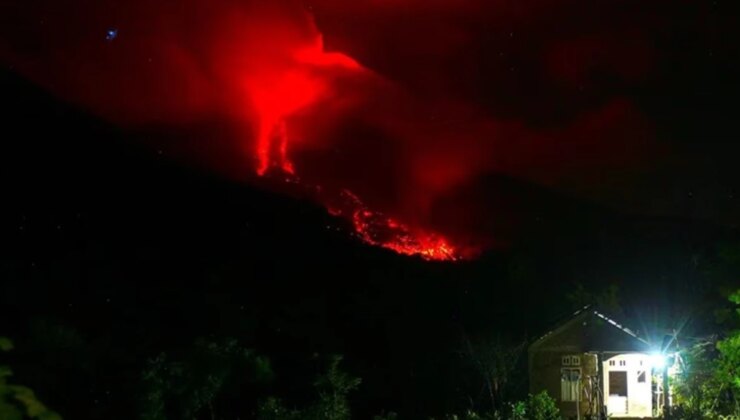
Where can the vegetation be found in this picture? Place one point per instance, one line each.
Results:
(122, 358)
(708, 386)
(496, 363)
(19, 402)
(188, 385)
(535, 407)
(200, 381)
(333, 388)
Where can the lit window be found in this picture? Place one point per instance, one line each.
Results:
(570, 379)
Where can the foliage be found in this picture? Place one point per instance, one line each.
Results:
(727, 373)
(728, 369)
(472, 415)
(535, 407)
(386, 416)
(5, 344)
(274, 409)
(495, 361)
(185, 386)
(19, 402)
(709, 385)
(723, 272)
(695, 385)
(333, 388)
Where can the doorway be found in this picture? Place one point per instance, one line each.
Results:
(617, 403)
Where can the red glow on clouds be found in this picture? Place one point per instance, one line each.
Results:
(279, 93)
(419, 107)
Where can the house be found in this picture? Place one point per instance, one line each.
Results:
(595, 367)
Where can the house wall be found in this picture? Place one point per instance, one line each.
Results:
(639, 399)
(586, 333)
(545, 375)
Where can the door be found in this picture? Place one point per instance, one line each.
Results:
(617, 403)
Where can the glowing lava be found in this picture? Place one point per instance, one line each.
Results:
(378, 229)
(294, 83)
(374, 227)
(285, 88)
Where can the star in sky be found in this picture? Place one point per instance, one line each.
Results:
(111, 34)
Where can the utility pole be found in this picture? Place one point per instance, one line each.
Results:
(578, 398)
(668, 343)
(666, 391)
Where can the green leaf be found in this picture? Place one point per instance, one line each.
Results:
(5, 372)
(9, 412)
(735, 297)
(5, 344)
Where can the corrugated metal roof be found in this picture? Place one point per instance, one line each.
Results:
(587, 310)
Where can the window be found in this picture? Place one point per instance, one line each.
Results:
(571, 360)
(622, 363)
(641, 376)
(618, 383)
(611, 363)
(570, 380)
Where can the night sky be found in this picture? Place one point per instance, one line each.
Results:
(262, 169)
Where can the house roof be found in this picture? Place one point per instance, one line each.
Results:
(580, 314)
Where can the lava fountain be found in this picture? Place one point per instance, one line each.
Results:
(279, 92)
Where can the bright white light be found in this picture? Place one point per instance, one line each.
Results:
(657, 361)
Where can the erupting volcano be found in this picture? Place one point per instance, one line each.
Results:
(294, 85)
(406, 114)
(378, 229)
(372, 227)
(284, 89)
